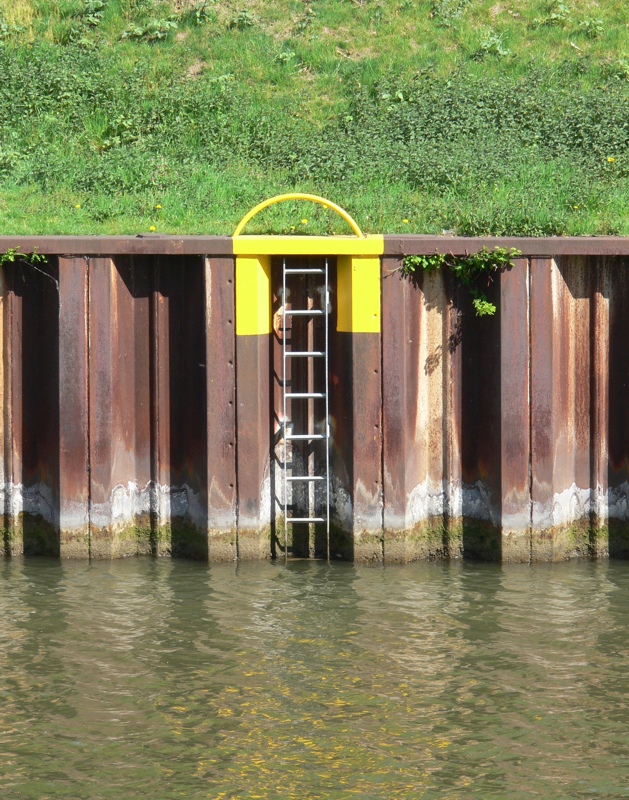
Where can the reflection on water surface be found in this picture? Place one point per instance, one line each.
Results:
(165, 679)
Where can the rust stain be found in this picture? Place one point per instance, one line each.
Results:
(135, 421)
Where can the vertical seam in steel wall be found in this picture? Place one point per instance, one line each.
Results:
(592, 405)
(530, 399)
(594, 289)
(154, 358)
(8, 423)
(446, 424)
(88, 343)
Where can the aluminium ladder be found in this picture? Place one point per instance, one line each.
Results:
(311, 480)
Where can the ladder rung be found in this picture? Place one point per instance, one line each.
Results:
(309, 478)
(300, 395)
(293, 353)
(306, 436)
(304, 312)
(305, 519)
(304, 271)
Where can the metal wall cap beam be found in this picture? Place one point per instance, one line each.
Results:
(309, 245)
(142, 244)
(421, 244)
(389, 244)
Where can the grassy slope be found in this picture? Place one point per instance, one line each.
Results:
(479, 117)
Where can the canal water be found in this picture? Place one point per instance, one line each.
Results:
(167, 679)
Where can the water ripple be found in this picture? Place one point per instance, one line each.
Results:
(159, 679)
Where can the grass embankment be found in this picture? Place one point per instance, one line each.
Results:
(478, 117)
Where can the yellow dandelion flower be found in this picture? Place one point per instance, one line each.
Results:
(158, 206)
(152, 228)
(575, 208)
(405, 221)
(78, 205)
(610, 159)
(304, 222)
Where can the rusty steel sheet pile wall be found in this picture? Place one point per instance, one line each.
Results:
(506, 438)
(107, 407)
(137, 421)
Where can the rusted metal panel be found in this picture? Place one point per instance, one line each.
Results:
(400, 379)
(561, 367)
(12, 325)
(604, 272)
(542, 410)
(616, 289)
(253, 446)
(134, 301)
(481, 430)
(343, 432)
(364, 370)
(148, 419)
(5, 427)
(221, 408)
(182, 283)
(160, 413)
(515, 512)
(356, 456)
(33, 386)
(119, 388)
(574, 337)
(74, 454)
(456, 419)
(453, 424)
(416, 381)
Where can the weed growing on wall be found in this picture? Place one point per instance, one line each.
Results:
(471, 271)
(27, 261)
(13, 255)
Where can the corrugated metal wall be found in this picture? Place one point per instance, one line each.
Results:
(135, 421)
(507, 437)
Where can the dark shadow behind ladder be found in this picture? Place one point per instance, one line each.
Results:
(315, 477)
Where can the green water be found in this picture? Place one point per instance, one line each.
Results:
(165, 679)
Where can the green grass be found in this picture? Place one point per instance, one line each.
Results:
(118, 116)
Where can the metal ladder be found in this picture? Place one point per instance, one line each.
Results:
(313, 515)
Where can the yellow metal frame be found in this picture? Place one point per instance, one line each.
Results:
(253, 295)
(308, 246)
(281, 198)
(358, 294)
(358, 267)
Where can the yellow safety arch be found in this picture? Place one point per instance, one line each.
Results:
(358, 270)
(282, 198)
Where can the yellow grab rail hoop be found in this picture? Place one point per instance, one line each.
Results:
(280, 198)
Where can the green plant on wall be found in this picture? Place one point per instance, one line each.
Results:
(13, 254)
(468, 270)
(34, 259)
